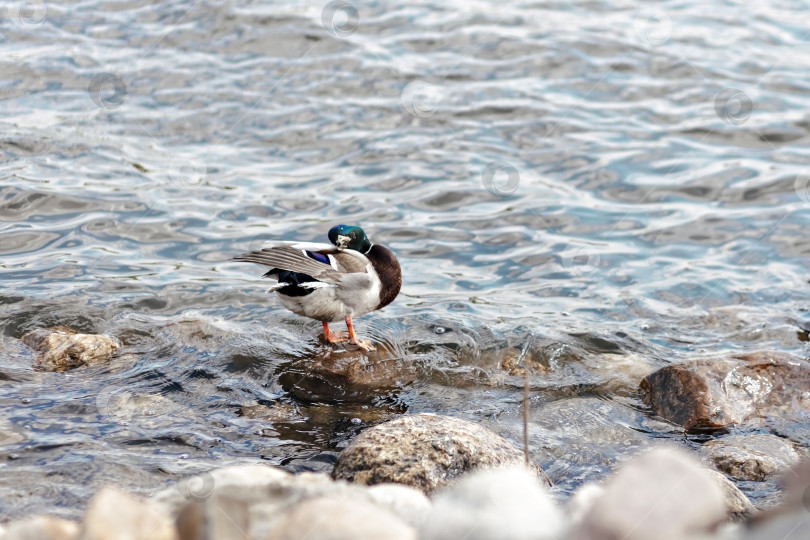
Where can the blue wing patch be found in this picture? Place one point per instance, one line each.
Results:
(320, 257)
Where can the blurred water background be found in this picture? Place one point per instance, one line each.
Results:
(605, 186)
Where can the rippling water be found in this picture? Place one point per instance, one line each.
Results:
(607, 186)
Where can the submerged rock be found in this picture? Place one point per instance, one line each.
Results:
(424, 451)
(507, 504)
(41, 528)
(756, 457)
(715, 393)
(113, 515)
(338, 518)
(663, 494)
(62, 348)
(341, 375)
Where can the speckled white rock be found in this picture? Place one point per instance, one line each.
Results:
(62, 348)
(662, 494)
(113, 515)
(338, 518)
(499, 504)
(424, 451)
(41, 528)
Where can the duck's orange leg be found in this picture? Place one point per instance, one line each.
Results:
(332, 337)
(363, 344)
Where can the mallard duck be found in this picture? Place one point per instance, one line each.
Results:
(328, 283)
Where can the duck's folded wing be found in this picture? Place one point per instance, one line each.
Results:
(286, 257)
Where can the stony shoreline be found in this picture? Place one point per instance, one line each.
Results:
(431, 477)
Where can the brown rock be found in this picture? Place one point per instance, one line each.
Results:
(424, 451)
(333, 518)
(63, 348)
(756, 457)
(113, 515)
(715, 393)
(340, 375)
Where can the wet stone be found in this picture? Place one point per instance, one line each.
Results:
(62, 349)
(424, 451)
(341, 375)
(716, 393)
(755, 457)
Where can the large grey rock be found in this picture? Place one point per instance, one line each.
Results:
(718, 392)
(269, 493)
(338, 518)
(663, 494)
(425, 451)
(495, 504)
(756, 457)
(41, 528)
(113, 515)
(62, 348)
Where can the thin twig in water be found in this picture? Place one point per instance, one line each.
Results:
(525, 400)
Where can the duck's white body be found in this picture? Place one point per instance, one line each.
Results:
(355, 293)
(327, 282)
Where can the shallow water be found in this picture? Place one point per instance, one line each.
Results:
(606, 186)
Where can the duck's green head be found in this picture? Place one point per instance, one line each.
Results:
(349, 237)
